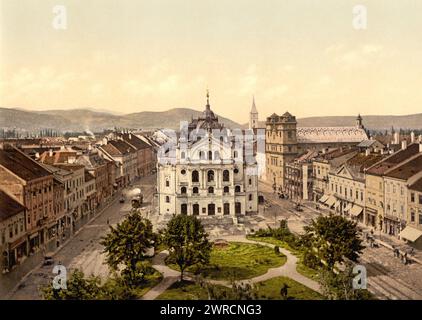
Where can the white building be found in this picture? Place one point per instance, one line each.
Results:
(210, 171)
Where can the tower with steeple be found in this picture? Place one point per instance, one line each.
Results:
(359, 124)
(253, 116)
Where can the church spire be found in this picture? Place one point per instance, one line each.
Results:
(208, 100)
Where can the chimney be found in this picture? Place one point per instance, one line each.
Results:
(396, 138)
(412, 137)
(37, 155)
(130, 136)
(381, 151)
(367, 152)
(105, 140)
(50, 152)
(404, 144)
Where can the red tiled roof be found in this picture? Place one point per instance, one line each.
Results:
(9, 206)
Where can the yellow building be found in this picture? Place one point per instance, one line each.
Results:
(413, 231)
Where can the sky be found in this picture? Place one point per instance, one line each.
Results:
(301, 56)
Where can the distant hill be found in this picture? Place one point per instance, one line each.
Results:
(373, 122)
(87, 119)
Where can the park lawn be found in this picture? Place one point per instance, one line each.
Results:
(238, 261)
(274, 241)
(150, 281)
(267, 290)
(301, 268)
(270, 290)
(184, 290)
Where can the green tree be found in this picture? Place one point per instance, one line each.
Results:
(187, 242)
(78, 288)
(333, 239)
(127, 244)
(339, 285)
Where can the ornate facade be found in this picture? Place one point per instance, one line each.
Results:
(207, 172)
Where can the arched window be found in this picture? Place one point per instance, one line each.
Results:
(201, 155)
(195, 190)
(216, 155)
(210, 175)
(226, 189)
(226, 175)
(195, 209)
(209, 155)
(195, 176)
(167, 199)
(211, 190)
(250, 197)
(183, 190)
(237, 189)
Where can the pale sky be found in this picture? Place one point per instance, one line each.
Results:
(126, 56)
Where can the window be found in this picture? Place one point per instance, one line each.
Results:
(412, 197)
(420, 199)
(357, 194)
(237, 189)
(167, 199)
(183, 190)
(237, 207)
(211, 190)
(250, 181)
(210, 175)
(250, 197)
(183, 171)
(211, 209)
(195, 190)
(217, 155)
(195, 209)
(182, 155)
(201, 155)
(167, 183)
(226, 209)
(184, 209)
(420, 218)
(226, 189)
(209, 155)
(226, 175)
(236, 170)
(195, 176)
(412, 216)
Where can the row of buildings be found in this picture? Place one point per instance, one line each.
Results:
(345, 170)
(47, 192)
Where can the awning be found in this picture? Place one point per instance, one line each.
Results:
(348, 207)
(356, 211)
(331, 200)
(323, 198)
(411, 234)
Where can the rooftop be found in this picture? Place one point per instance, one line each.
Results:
(21, 165)
(417, 185)
(8, 206)
(407, 169)
(330, 134)
(393, 160)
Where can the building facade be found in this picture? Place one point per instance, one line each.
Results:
(207, 174)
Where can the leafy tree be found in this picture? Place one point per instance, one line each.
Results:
(339, 286)
(126, 244)
(332, 239)
(78, 288)
(187, 242)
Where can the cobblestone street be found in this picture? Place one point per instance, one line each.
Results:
(84, 251)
